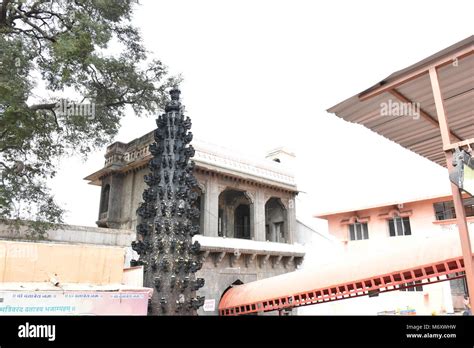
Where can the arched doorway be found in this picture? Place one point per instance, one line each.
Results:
(276, 221)
(237, 282)
(234, 218)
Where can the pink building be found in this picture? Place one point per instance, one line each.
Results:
(366, 229)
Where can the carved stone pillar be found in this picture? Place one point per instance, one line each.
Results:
(291, 217)
(259, 216)
(211, 205)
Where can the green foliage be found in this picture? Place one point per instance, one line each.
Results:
(61, 48)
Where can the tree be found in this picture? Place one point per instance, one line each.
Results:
(166, 218)
(59, 48)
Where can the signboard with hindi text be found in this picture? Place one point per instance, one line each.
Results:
(74, 302)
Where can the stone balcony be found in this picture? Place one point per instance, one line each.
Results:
(216, 249)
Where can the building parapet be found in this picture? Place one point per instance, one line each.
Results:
(74, 234)
(121, 157)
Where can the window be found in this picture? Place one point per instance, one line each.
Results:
(399, 226)
(413, 288)
(445, 210)
(469, 206)
(358, 231)
(104, 203)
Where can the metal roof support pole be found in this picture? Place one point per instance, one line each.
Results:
(457, 196)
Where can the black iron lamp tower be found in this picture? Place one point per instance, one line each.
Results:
(166, 228)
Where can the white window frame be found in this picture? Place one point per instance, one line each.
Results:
(396, 225)
(359, 227)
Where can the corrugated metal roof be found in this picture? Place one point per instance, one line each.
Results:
(419, 134)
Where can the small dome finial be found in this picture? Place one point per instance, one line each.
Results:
(175, 92)
(174, 104)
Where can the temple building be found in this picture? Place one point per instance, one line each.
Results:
(248, 220)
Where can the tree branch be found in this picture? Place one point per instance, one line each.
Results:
(46, 106)
(3, 12)
(27, 21)
(49, 107)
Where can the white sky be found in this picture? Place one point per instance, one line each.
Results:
(260, 74)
